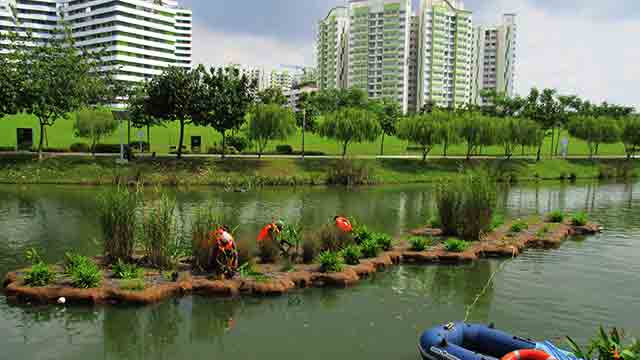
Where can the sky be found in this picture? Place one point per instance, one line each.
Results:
(585, 47)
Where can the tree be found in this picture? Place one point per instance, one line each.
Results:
(174, 96)
(388, 112)
(475, 130)
(631, 136)
(528, 134)
(488, 132)
(58, 79)
(270, 122)
(422, 130)
(138, 114)
(447, 130)
(273, 95)
(508, 135)
(350, 125)
(11, 77)
(226, 98)
(94, 125)
(594, 131)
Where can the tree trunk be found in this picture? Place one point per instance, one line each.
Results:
(181, 139)
(148, 137)
(538, 156)
(469, 149)
(522, 150)
(424, 155)
(553, 138)
(445, 147)
(558, 141)
(597, 147)
(382, 145)
(344, 150)
(224, 142)
(41, 140)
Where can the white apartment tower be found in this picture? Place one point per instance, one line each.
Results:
(379, 36)
(141, 37)
(494, 65)
(446, 54)
(414, 51)
(332, 49)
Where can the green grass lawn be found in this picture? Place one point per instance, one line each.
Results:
(162, 138)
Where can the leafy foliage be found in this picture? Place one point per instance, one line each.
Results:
(361, 233)
(496, 222)
(456, 245)
(350, 125)
(370, 248)
(86, 275)
(330, 262)
(519, 226)
(161, 237)
(631, 135)
(556, 216)
(39, 275)
(122, 270)
(94, 125)
(607, 346)
(419, 243)
(384, 241)
(422, 130)
(349, 173)
(388, 112)
(270, 122)
(595, 131)
(579, 219)
(351, 254)
(74, 261)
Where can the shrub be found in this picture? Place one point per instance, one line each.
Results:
(107, 148)
(160, 233)
(496, 222)
(349, 173)
(434, 222)
(79, 148)
(466, 203)
(204, 221)
(542, 231)
(370, 248)
(556, 216)
(240, 143)
(332, 239)
(284, 149)
(291, 234)
(39, 275)
(419, 243)
(7, 148)
(330, 262)
(117, 213)
(86, 276)
(456, 245)
(519, 226)
(351, 254)
(361, 234)
(132, 285)
(579, 219)
(74, 261)
(122, 270)
(384, 241)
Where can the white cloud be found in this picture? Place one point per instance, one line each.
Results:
(218, 48)
(574, 53)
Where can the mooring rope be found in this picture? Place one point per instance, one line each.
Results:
(489, 282)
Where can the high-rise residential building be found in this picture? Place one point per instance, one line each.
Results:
(141, 37)
(494, 65)
(433, 56)
(379, 48)
(331, 49)
(446, 53)
(281, 79)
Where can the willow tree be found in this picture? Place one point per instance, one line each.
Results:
(423, 130)
(270, 122)
(350, 125)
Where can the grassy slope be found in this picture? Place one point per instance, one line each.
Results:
(247, 172)
(61, 136)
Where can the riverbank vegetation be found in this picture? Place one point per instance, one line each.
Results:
(609, 345)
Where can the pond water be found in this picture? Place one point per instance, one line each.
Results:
(542, 294)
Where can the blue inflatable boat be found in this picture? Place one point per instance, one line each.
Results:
(461, 341)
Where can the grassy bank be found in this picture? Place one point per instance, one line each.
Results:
(162, 138)
(288, 172)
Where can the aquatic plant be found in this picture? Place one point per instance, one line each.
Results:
(465, 204)
(579, 219)
(351, 254)
(290, 241)
(132, 285)
(496, 221)
(161, 236)
(419, 243)
(370, 248)
(117, 214)
(122, 270)
(361, 233)
(248, 269)
(330, 238)
(607, 346)
(86, 275)
(519, 226)
(456, 245)
(72, 261)
(330, 262)
(556, 216)
(39, 275)
(543, 231)
(310, 248)
(385, 242)
(205, 221)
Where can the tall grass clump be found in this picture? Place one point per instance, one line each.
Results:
(466, 204)
(330, 238)
(556, 216)
(351, 254)
(161, 237)
(203, 223)
(117, 213)
(579, 219)
(456, 245)
(40, 273)
(419, 243)
(330, 262)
